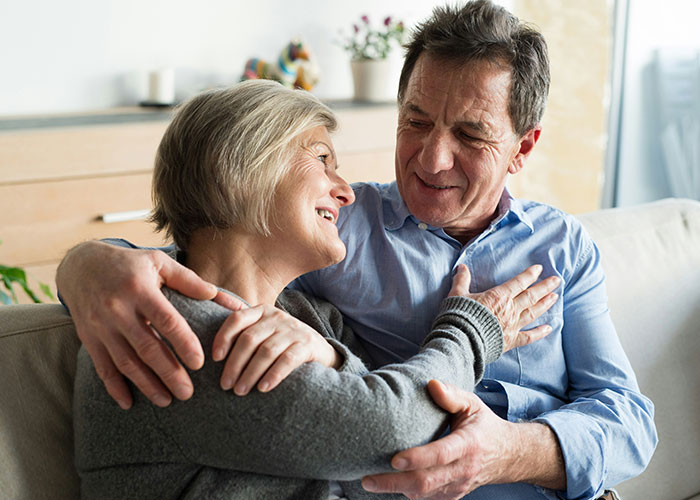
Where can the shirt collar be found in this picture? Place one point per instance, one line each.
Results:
(396, 212)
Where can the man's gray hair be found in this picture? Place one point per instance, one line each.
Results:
(481, 30)
(224, 153)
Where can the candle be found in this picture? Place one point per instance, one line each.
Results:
(161, 86)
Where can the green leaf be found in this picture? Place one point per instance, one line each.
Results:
(8, 284)
(47, 290)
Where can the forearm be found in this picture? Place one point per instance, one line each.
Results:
(535, 458)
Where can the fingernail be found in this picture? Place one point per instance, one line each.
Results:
(183, 392)
(219, 354)
(400, 464)
(241, 389)
(369, 484)
(161, 400)
(263, 386)
(194, 361)
(124, 405)
(226, 384)
(554, 297)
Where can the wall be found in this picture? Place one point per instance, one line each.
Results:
(76, 55)
(642, 176)
(566, 167)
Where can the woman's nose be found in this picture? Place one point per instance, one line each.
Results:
(342, 191)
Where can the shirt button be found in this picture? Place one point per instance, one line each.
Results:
(422, 226)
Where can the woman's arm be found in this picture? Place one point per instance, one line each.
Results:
(324, 424)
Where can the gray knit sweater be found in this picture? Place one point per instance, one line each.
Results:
(319, 424)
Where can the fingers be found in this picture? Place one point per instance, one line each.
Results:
(127, 362)
(285, 358)
(532, 295)
(525, 337)
(167, 321)
(232, 327)
(111, 377)
(435, 484)
(185, 281)
(517, 284)
(460, 282)
(450, 398)
(228, 301)
(531, 313)
(241, 353)
(449, 448)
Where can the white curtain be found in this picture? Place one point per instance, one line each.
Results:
(677, 73)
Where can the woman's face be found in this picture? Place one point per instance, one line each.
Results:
(308, 203)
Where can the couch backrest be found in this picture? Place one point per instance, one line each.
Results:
(38, 349)
(651, 255)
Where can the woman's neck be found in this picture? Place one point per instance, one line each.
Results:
(239, 262)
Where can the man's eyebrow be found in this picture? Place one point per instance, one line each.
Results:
(477, 126)
(480, 127)
(415, 109)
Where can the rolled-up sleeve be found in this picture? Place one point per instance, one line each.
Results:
(606, 431)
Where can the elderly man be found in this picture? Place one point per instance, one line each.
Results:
(559, 418)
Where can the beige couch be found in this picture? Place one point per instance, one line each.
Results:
(652, 257)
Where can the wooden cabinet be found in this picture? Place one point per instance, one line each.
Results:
(63, 178)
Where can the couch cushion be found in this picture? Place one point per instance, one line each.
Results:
(38, 349)
(651, 255)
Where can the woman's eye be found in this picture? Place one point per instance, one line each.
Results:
(323, 158)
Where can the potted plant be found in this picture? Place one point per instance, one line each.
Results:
(369, 50)
(10, 275)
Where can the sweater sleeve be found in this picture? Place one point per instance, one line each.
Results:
(326, 424)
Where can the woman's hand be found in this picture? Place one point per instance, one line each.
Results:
(268, 344)
(515, 303)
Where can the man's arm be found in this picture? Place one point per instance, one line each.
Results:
(604, 435)
(481, 448)
(114, 298)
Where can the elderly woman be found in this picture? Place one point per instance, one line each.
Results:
(245, 182)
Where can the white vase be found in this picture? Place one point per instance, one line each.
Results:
(374, 80)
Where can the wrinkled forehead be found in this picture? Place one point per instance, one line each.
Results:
(476, 91)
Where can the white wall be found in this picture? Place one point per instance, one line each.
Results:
(652, 25)
(75, 55)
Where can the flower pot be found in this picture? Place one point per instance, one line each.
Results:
(374, 80)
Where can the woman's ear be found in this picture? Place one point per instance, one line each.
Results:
(526, 145)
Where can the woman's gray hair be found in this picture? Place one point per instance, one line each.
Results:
(224, 153)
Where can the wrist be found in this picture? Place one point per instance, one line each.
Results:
(536, 457)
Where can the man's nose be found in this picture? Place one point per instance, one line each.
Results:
(437, 154)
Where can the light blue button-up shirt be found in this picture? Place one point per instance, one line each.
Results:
(577, 380)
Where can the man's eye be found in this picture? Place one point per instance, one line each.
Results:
(323, 158)
(467, 137)
(416, 123)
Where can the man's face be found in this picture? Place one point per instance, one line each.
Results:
(456, 143)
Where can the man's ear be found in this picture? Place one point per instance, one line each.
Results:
(527, 143)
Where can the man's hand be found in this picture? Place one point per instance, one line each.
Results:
(481, 449)
(268, 344)
(516, 303)
(115, 301)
